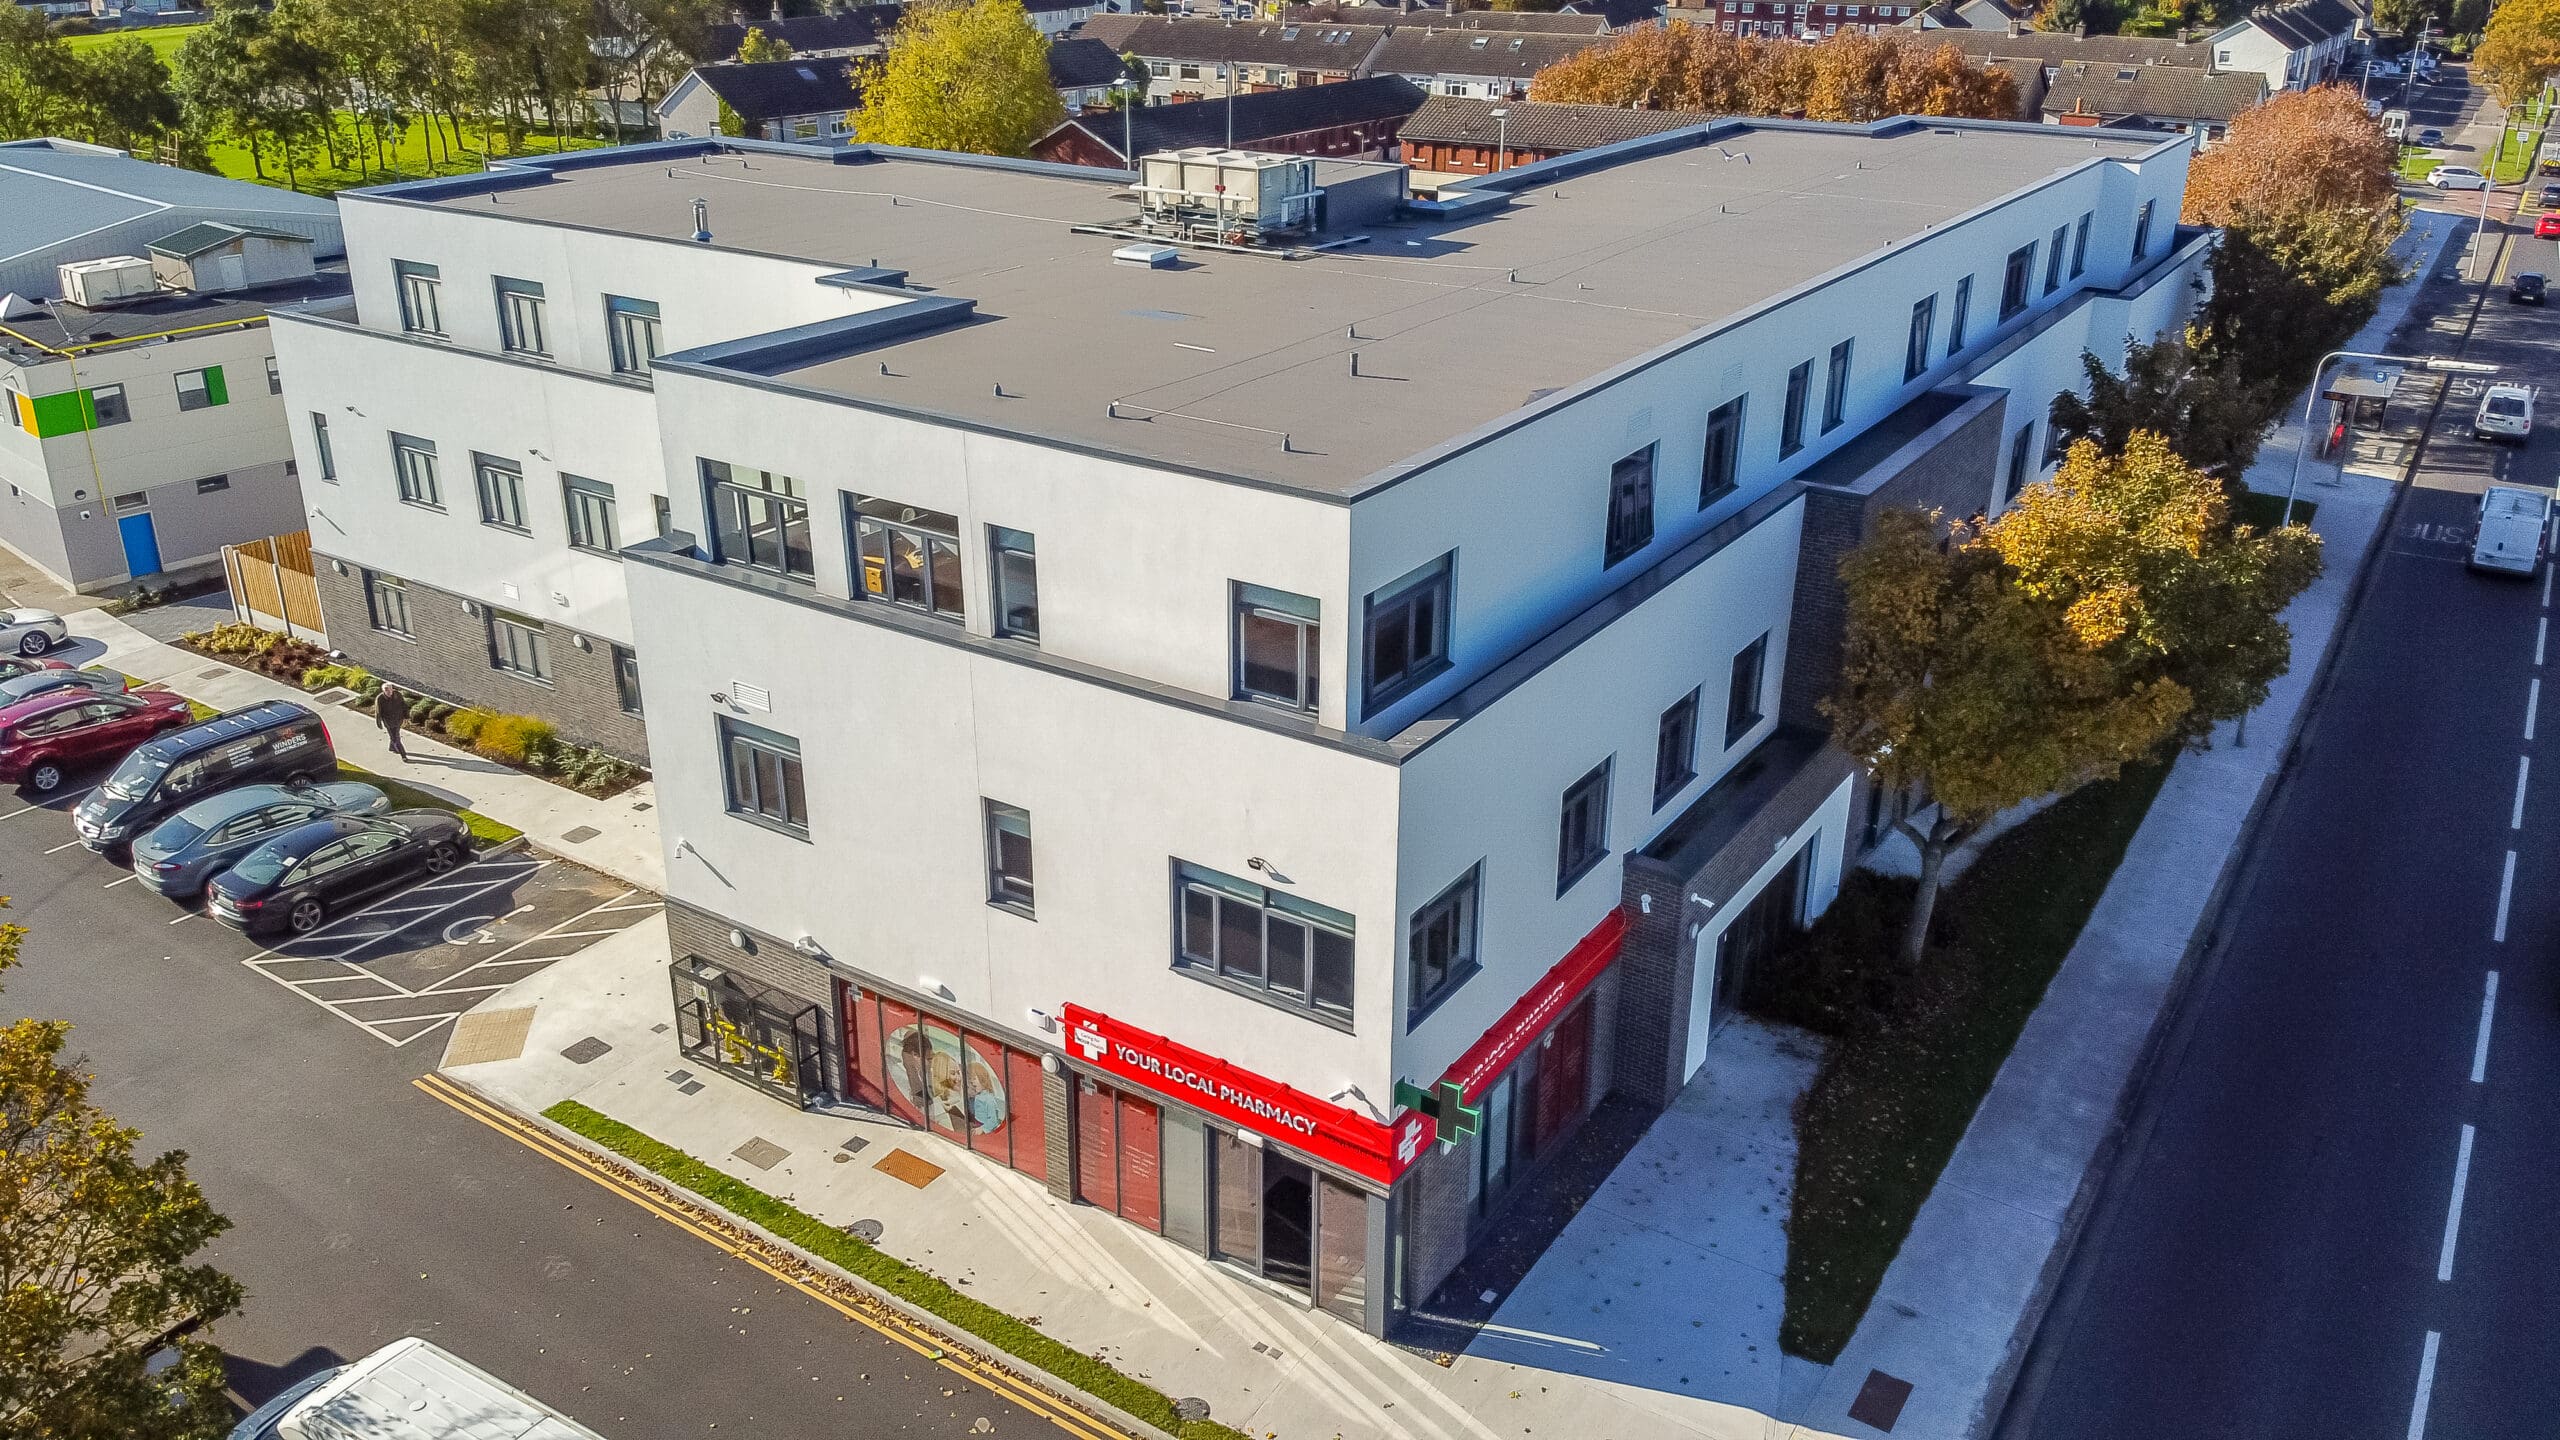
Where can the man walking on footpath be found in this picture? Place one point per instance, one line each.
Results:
(391, 708)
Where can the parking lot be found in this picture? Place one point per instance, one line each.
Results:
(402, 967)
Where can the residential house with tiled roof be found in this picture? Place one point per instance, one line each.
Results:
(1450, 135)
(1485, 64)
(1357, 119)
(1783, 17)
(2151, 97)
(1085, 71)
(2295, 45)
(861, 30)
(803, 98)
(1201, 59)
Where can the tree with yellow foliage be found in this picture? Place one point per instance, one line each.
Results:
(2520, 50)
(967, 75)
(2111, 613)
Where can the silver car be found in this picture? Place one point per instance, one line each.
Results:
(189, 848)
(45, 682)
(31, 632)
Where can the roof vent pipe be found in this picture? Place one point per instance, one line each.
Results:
(701, 221)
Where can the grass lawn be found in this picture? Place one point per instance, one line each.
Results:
(2267, 511)
(2516, 160)
(916, 1287)
(2418, 165)
(410, 797)
(408, 159)
(163, 38)
(1894, 1094)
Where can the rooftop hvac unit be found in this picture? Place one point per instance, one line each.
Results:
(116, 280)
(1236, 195)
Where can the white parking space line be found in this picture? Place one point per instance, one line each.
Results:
(414, 994)
(2532, 702)
(21, 810)
(183, 919)
(2480, 1046)
(2453, 1212)
(65, 845)
(2506, 892)
(2524, 763)
(554, 933)
(372, 912)
(2426, 1384)
(110, 885)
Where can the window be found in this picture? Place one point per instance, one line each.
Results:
(2020, 449)
(1630, 505)
(1791, 419)
(626, 679)
(1408, 632)
(1742, 697)
(2142, 230)
(663, 511)
(2053, 258)
(2013, 286)
(107, 406)
(421, 313)
(804, 128)
(519, 647)
(764, 781)
(1016, 563)
(213, 484)
(1277, 635)
(414, 461)
(1924, 325)
(1720, 469)
(1582, 838)
(759, 521)
(591, 518)
(1272, 946)
(1675, 749)
(275, 380)
(2080, 247)
(520, 328)
(201, 389)
(1441, 946)
(386, 601)
(320, 447)
(500, 484)
(634, 328)
(131, 502)
(1835, 397)
(1955, 315)
(1008, 856)
(906, 556)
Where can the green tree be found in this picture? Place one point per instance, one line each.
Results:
(94, 1246)
(2520, 49)
(122, 96)
(2111, 612)
(2169, 388)
(967, 75)
(755, 47)
(2466, 17)
(36, 76)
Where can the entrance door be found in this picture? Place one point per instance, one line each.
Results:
(1288, 1222)
(1564, 1076)
(141, 544)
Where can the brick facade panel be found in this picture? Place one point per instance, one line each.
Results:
(769, 961)
(447, 656)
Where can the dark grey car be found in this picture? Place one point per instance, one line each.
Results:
(189, 848)
(45, 682)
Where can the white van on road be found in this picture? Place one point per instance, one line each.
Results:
(2505, 413)
(2514, 524)
(408, 1390)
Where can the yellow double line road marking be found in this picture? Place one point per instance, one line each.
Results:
(773, 1261)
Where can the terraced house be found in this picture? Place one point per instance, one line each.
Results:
(1258, 735)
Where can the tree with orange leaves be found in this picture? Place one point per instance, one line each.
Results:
(2302, 150)
(1852, 76)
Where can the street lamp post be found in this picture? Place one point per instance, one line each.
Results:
(2432, 364)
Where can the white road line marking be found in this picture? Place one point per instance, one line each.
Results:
(65, 845)
(2426, 1383)
(2546, 587)
(2453, 1212)
(554, 933)
(406, 995)
(2516, 820)
(183, 919)
(21, 810)
(110, 885)
(2541, 632)
(2532, 703)
(2506, 892)
(2480, 1047)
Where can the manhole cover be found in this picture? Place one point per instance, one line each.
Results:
(643, 805)
(586, 1051)
(854, 1146)
(216, 673)
(690, 1087)
(678, 1077)
(334, 695)
(1880, 1400)
(866, 1231)
(581, 835)
(1191, 1407)
(761, 1153)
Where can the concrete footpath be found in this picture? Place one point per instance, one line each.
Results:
(618, 836)
(1942, 1339)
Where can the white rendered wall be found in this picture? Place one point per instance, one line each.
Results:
(1828, 831)
(161, 443)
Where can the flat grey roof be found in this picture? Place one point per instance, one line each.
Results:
(52, 192)
(1461, 321)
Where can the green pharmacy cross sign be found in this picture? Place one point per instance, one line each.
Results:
(1452, 1118)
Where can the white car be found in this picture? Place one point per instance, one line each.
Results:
(2505, 413)
(2384, 69)
(2457, 177)
(31, 632)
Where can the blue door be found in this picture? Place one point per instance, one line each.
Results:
(141, 545)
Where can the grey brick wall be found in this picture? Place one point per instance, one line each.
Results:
(1435, 1217)
(1655, 975)
(1058, 1112)
(449, 658)
(766, 960)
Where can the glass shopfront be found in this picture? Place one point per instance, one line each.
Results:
(1281, 1219)
(966, 1087)
(1120, 1153)
(1532, 1108)
(769, 1038)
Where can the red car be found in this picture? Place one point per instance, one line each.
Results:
(42, 739)
(13, 666)
(2547, 227)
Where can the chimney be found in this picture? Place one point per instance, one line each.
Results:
(2017, 28)
(2080, 31)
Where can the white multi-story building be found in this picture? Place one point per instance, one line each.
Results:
(1262, 744)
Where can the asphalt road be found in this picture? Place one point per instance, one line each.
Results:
(2334, 1213)
(365, 1211)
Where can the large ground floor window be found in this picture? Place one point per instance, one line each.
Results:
(968, 1088)
(769, 1038)
(1120, 1153)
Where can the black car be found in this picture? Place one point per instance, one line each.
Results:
(272, 740)
(2525, 288)
(299, 879)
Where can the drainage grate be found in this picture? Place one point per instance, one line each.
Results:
(581, 835)
(690, 1087)
(586, 1051)
(1880, 1400)
(1191, 1407)
(761, 1153)
(854, 1146)
(216, 673)
(678, 1077)
(643, 805)
(334, 695)
(660, 1029)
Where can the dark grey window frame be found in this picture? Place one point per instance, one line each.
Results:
(1675, 749)
(2054, 257)
(1835, 394)
(1630, 526)
(1450, 919)
(2080, 245)
(757, 744)
(626, 678)
(2142, 229)
(1746, 691)
(275, 377)
(320, 444)
(519, 646)
(2021, 446)
(1720, 458)
(632, 327)
(384, 594)
(499, 485)
(2017, 282)
(421, 294)
(1956, 315)
(1791, 416)
(108, 405)
(203, 399)
(213, 484)
(1582, 827)
(1013, 583)
(1195, 882)
(1261, 604)
(592, 514)
(524, 322)
(1924, 329)
(420, 484)
(1413, 608)
(935, 537)
(1005, 889)
(764, 514)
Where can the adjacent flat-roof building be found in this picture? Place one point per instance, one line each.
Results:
(1254, 712)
